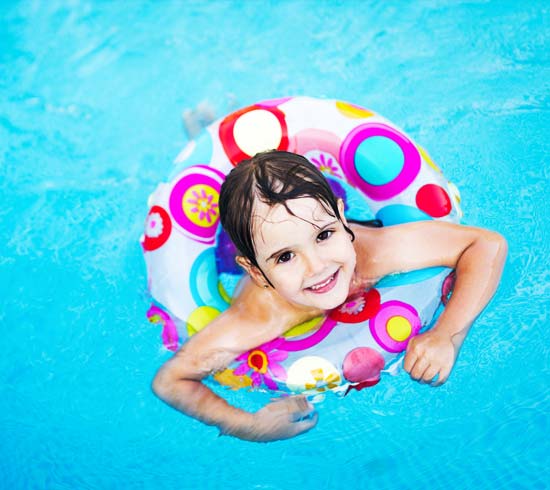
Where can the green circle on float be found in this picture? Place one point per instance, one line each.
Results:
(379, 160)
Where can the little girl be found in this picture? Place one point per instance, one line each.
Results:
(303, 258)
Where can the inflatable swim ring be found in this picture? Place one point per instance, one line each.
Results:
(377, 169)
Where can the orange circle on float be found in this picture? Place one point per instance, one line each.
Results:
(258, 361)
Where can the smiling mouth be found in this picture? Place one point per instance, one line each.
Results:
(326, 285)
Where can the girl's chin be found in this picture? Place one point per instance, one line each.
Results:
(334, 302)
(331, 300)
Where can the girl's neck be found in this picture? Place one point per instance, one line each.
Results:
(360, 283)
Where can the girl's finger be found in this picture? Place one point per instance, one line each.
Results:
(300, 415)
(410, 360)
(429, 374)
(420, 366)
(305, 425)
(443, 375)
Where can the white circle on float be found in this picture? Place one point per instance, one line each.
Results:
(256, 131)
(310, 372)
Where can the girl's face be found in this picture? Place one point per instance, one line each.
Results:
(309, 257)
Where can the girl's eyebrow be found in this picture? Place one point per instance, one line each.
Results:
(321, 228)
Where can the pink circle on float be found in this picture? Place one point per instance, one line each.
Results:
(433, 200)
(389, 310)
(362, 364)
(321, 145)
(411, 165)
(200, 228)
(315, 139)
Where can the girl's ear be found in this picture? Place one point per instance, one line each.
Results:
(253, 271)
(341, 207)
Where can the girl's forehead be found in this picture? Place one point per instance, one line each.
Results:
(305, 209)
(273, 222)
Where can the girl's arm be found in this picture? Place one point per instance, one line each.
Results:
(178, 383)
(478, 256)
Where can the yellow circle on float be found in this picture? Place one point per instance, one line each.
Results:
(199, 318)
(200, 205)
(353, 111)
(303, 328)
(428, 159)
(399, 328)
(257, 131)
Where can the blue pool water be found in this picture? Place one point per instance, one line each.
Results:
(90, 100)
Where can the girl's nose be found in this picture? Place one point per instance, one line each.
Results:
(315, 264)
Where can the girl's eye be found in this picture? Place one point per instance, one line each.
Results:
(324, 235)
(284, 257)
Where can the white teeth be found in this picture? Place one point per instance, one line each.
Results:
(319, 286)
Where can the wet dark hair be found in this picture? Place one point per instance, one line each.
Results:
(273, 177)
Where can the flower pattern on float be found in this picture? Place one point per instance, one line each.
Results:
(153, 225)
(204, 206)
(326, 165)
(263, 361)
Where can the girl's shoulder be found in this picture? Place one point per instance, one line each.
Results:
(415, 245)
(264, 309)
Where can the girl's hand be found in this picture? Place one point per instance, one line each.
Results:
(429, 355)
(280, 419)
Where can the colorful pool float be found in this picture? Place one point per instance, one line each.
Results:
(377, 169)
